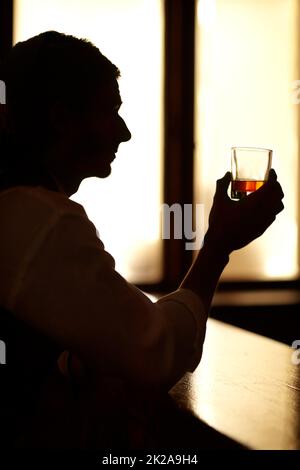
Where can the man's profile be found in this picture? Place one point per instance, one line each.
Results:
(59, 290)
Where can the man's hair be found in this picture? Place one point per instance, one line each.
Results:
(50, 68)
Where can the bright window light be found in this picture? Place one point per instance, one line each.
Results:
(125, 207)
(246, 68)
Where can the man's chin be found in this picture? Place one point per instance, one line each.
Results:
(105, 174)
(104, 171)
(100, 167)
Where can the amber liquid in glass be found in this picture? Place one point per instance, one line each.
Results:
(241, 188)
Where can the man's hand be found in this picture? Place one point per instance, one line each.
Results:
(234, 224)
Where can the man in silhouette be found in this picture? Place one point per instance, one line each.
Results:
(64, 307)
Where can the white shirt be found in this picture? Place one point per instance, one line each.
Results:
(56, 275)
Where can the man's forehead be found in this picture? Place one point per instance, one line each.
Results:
(109, 93)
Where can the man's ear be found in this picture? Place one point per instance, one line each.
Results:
(60, 119)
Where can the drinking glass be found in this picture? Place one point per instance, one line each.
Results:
(250, 168)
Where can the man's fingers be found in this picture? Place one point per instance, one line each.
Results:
(280, 207)
(273, 185)
(274, 188)
(271, 203)
(272, 175)
(223, 183)
(270, 187)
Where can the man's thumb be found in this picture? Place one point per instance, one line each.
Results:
(272, 175)
(223, 183)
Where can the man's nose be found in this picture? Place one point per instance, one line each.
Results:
(124, 132)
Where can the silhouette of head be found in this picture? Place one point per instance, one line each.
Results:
(62, 102)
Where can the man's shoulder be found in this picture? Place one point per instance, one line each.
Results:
(39, 198)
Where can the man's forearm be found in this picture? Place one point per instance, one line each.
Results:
(203, 276)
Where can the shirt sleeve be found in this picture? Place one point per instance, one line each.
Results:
(69, 289)
(185, 301)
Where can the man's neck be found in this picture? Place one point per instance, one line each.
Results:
(61, 175)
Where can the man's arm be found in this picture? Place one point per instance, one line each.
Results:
(69, 290)
(204, 274)
(232, 225)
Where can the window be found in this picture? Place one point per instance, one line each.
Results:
(246, 67)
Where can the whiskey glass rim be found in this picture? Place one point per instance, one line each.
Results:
(260, 149)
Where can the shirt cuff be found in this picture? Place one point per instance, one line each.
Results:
(194, 305)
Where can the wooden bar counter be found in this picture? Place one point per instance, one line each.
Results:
(246, 387)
